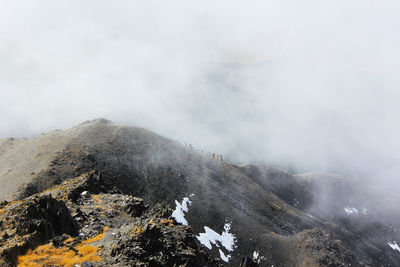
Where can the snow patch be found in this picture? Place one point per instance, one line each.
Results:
(350, 210)
(296, 202)
(394, 246)
(178, 213)
(255, 255)
(226, 239)
(223, 256)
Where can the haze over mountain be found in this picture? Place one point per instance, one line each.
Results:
(320, 93)
(311, 219)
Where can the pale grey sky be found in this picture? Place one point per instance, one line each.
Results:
(322, 92)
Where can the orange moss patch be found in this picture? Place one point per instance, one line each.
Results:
(137, 230)
(276, 206)
(48, 255)
(14, 202)
(168, 221)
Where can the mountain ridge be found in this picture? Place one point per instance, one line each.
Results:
(276, 214)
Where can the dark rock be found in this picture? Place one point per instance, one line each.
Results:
(247, 262)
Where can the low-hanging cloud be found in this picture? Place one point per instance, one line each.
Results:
(313, 84)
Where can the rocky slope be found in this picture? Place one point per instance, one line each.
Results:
(74, 224)
(232, 211)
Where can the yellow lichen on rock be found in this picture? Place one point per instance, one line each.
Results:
(137, 230)
(48, 255)
(168, 222)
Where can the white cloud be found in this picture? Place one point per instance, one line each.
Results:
(325, 96)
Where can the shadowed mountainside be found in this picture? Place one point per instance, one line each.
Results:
(290, 220)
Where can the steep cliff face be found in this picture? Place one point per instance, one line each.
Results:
(233, 211)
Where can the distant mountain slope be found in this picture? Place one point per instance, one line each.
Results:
(300, 220)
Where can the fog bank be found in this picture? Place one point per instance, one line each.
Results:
(311, 84)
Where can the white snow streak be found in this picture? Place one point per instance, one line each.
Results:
(255, 255)
(350, 210)
(180, 208)
(210, 237)
(226, 239)
(223, 256)
(394, 246)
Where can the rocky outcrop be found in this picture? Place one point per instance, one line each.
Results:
(33, 221)
(73, 224)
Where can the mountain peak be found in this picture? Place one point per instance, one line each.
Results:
(283, 219)
(94, 121)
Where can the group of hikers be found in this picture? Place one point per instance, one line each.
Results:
(211, 155)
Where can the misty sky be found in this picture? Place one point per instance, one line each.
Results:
(313, 84)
